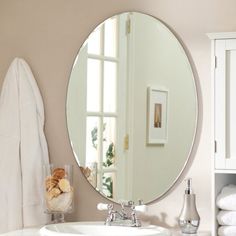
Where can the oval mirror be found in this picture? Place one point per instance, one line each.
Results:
(132, 108)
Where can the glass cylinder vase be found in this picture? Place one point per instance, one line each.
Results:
(58, 191)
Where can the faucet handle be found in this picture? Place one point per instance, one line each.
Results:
(103, 206)
(140, 202)
(131, 204)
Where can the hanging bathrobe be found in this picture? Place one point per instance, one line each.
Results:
(23, 150)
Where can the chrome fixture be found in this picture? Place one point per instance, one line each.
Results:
(189, 218)
(123, 217)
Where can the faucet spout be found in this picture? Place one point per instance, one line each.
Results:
(122, 217)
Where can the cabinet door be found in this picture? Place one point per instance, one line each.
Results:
(225, 104)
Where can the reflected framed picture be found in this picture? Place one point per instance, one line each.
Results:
(157, 115)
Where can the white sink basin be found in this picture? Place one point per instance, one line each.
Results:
(99, 229)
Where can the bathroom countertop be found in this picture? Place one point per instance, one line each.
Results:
(35, 232)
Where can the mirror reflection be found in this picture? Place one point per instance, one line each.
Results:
(131, 108)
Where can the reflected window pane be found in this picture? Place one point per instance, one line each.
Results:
(109, 99)
(94, 42)
(109, 132)
(108, 184)
(93, 85)
(110, 47)
(92, 136)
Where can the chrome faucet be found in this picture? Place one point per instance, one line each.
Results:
(122, 217)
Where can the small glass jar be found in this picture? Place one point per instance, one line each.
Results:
(58, 191)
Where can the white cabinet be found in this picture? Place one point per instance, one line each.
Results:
(224, 114)
(225, 103)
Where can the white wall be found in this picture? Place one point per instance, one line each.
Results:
(48, 35)
(159, 61)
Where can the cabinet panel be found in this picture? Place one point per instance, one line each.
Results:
(220, 91)
(230, 108)
(225, 104)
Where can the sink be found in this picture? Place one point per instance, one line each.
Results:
(99, 229)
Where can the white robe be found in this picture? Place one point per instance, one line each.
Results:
(23, 150)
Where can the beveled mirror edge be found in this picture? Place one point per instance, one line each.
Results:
(198, 120)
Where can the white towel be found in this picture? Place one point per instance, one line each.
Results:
(227, 231)
(23, 150)
(226, 200)
(227, 218)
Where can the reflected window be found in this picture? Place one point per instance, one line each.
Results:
(93, 85)
(94, 42)
(110, 35)
(102, 64)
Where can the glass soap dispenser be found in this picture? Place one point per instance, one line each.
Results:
(189, 218)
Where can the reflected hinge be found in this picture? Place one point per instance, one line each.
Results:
(215, 146)
(126, 142)
(215, 62)
(128, 26)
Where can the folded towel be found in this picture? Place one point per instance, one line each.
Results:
(227, 218)
(226, 200)
(227, 231)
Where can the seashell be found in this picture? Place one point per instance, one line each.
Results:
(53, 193)
(58, 173)
(64, 185)
(50, 183)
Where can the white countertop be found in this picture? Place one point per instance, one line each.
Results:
(35, 232)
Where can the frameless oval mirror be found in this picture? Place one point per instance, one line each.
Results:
(132, 108)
